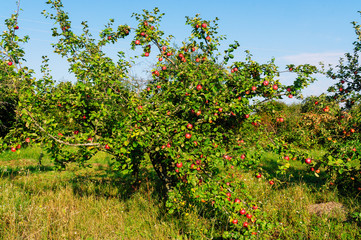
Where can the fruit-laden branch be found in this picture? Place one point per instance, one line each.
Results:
(164, 55)
(56, 139)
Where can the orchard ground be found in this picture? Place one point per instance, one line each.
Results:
(38, 202)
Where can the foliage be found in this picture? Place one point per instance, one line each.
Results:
(198, 122)
(342, 160)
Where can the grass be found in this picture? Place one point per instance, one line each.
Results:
(39, 203)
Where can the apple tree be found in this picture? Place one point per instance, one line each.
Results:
(342, 160)
(191, 122)
(193, 115)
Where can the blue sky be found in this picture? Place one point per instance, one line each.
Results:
(296, 32)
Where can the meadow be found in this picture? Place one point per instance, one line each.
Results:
(39, 202)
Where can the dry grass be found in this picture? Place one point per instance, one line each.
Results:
(39, 203)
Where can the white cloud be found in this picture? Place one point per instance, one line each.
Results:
(313, 58)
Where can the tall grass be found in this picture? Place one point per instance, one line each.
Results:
(37, 202)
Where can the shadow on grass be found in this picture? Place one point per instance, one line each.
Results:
(13, 171)
(294, 175)
(116, 185)
(299, 174)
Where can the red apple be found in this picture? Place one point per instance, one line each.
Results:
(160, 59)
(242, 212)
(220, 109)
(107, 147)
(146, 54)
(199, 87)
(235, 221)
(27, 140)
(188, 135)
(229, 194)
(254, 88)
(18, 146)
(245, 224)
(237, 200)
(179, 165)
(204, 25)
(265, 83)
(189, 126)
(243, 156)
(287, 158)
(308, 160)
(254, 207)
(197, 59)
(246, 116)
(275, 87)
(10, 63)
(13, 149)
(137, 42)
(259, 176)
(271, 182)
(249, 216)
(16, 27)
(208, 38)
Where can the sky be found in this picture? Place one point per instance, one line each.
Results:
(296, 32)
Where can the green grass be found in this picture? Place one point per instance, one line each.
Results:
(39, 203)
